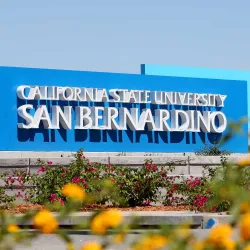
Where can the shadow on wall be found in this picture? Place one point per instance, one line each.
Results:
(118, 136)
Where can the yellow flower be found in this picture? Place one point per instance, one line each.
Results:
(113, 218)
(199, 245)
(244, 162)
(151, 242)
(105, 220)
(45, 221)
(70, 246)
(183, 231)
(245, 226)
(119, 238)
(244, 207)
(220, 237)
(92, 246)
(219, 233)
(247, 247)
(74, 192)
(228, 244)
(13, 228)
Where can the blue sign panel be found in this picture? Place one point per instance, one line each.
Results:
(62, 110)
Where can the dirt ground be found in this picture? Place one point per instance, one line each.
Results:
(19, 209)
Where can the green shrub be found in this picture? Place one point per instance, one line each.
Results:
(142, 185)
(5, 200)
(135, 186)
(49, 180)
(212, 150)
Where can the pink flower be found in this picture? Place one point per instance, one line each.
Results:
(150, 167)
(193, 183)
(11, 179)
(41, 169)
(214, 209)
(19, 195)
(76, 179)
(26, 197)
(19, 178)
(164, 175)
(49, 162)
(92, 169)
(61, 201)
(52, 198)
(200, 200)
(147, 202)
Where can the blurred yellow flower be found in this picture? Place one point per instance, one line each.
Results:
(113, 217)
(244, 162)
(220, 236)
(45, 221)
(13, 228)
(244, 207)
(220, 232)
(74, 192)
(105, 220)
(92, 246)
(151, 242)
(228, 244)
(70, 246)
(247, 247)
(199, 245)
(119, 238)
(245, 226)
(183, 231)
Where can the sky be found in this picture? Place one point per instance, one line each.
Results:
(118, 36)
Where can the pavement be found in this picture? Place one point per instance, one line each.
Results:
(46, 242)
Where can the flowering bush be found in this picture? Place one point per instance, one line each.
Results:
(48, 181)
(141, 186)
(135, 186)
(197, 192)
(5, 199)
(138, 186)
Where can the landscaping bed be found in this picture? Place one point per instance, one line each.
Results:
(21, 209)
(125, 188)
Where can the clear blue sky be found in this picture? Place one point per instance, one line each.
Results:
(117, 36)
